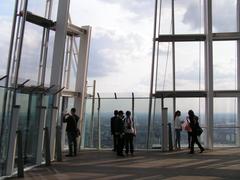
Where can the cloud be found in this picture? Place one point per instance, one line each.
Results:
(224, 16)
(139, 7)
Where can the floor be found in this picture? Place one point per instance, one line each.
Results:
(219, 164)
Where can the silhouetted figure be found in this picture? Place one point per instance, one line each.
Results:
(113, 121)
(71, 120)
(178, 129)
(194, 124)
(129, 133)
(119, 133)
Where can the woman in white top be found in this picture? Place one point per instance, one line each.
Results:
(178, 129)
(129, 133)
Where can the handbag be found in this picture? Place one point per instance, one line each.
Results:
(186, 126)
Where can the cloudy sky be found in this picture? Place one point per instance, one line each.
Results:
(121, 44)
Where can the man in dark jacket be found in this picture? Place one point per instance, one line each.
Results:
(113, 121)
(194, 124)
(119, 132)
(71, 120)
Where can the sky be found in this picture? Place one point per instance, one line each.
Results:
(121, 43)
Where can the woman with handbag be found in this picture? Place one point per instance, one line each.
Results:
(129, 133)
(178, 129)
(194, 124)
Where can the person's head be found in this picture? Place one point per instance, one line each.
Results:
(73, 111)
(191, 113)
(115, 112)
(177, 113)
(120, 113)
(128, 113)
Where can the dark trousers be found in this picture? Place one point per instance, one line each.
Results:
(195, 140)
(119, 144)
(178, 138)
(114, 142)
(189, 139)
(129, 143)
(72, 143)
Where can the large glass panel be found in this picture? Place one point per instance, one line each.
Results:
(198, 106)
(5, 122)
(141, 124)
(189, 58)
(164, 74)
(6, 13)
(225, 121)
(188, 16)
(165, 17)
(107, 108)
(31, 53)
(225, 65)
(37, 7)
(156, 124)
(224, 15)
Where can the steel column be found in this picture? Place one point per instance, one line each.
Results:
(57, 63)
(209, 72)
(81, 79)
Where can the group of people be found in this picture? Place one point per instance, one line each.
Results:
(123, 131)
(191, 125)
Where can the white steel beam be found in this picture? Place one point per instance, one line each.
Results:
(12, 141)
(57, 63)
(41, 126)
(208, 72)
(81, 79)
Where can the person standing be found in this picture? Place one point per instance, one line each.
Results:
(119, 132)
(129, 130)
(113, 121)
(194, 124)
(71, 129)
(178, 129)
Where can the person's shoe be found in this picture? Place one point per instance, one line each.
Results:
(68, 155)
(121, 155)
(191, 152)
(202, 150)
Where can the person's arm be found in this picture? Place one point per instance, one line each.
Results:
(65, 118)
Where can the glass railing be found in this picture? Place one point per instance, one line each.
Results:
(223, 136)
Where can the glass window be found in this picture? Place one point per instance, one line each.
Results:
(189, 58)
(164, 70)
(188, 16)
(166, 17)
(225, 121)
(224, 65)
(224, 15)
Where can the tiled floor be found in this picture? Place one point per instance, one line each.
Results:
(218, 164)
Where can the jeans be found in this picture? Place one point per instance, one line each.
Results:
(178, 138)
(72, 141)
(129, 142)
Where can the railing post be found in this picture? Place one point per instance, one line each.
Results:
(12, 140)
(170, 145)
(41, 135)
(47, 147)
(164, 129)
(59, 143)
(20, 163)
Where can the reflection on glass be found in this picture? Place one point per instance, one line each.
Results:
(188, 16)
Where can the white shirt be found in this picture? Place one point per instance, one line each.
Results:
(177, 123)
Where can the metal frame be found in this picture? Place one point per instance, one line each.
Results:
(209, 93)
